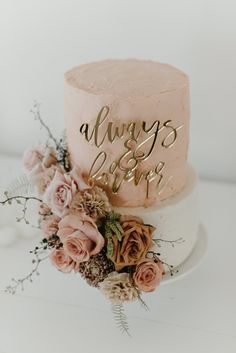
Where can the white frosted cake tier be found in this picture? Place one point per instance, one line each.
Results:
(176, 221)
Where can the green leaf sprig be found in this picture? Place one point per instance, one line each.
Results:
(112, 228)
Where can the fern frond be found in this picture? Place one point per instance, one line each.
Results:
(120, 318)
(20, 186)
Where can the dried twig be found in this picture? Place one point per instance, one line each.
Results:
(20, 200)
(61, 146)
(41, 250)
(19, 283)
(171, 242)
(37, 116)
(142, 302)
(156, 257)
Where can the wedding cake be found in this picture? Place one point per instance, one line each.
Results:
(127, 124)
(115, 199)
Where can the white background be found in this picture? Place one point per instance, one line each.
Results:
(40, 39)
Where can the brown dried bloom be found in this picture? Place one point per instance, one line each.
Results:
(96, 269)
(135, 242)
(118, 288)
(93, 202)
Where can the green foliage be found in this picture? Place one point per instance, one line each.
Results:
(110, 247)
(112, 228)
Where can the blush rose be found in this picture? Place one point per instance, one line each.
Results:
(39, 156)
(80, 237)
(148, 275)
(31, 158)
(42, 177)
(63, 262)
(60, 192)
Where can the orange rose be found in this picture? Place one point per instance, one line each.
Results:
(148, 275)
(135, 242)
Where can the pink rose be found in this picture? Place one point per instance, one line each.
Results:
(41, 177)
(31, 158)
(62, 261)
(49, 157)
(62, 189)
(50, 225)
(41, 165)
(39, 156)
(148, 275)
(80, 237)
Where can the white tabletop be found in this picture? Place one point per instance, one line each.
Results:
(60, 313)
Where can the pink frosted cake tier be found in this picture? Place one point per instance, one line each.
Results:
(127, 126)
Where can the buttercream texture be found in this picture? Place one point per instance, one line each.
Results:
(127, 126)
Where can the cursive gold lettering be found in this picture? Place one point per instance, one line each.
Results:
(140, 141)
(100, 160)
(131, 129)
(173, 132)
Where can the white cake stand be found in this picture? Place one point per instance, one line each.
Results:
(193, 261)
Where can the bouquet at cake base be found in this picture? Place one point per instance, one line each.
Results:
(82, 233)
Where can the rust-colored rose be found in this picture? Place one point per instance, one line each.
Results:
(135, 242)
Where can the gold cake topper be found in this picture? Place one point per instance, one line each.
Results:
(140, 140)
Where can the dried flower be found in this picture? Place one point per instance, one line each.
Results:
(93, 202)
(118, 288)
(44, 210)
(49, 225)
(134, 244)
(96, 269)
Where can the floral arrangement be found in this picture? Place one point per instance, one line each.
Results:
(82, 233)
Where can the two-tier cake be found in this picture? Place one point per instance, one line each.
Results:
(116, 200)
(127, 124)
